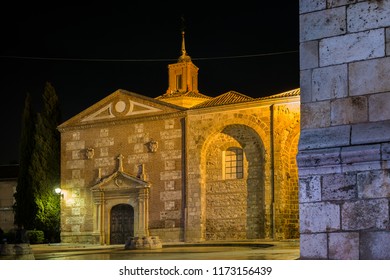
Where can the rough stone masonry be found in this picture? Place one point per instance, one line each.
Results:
(344, 144)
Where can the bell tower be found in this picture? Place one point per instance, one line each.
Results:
(183, 75)
(183, 81)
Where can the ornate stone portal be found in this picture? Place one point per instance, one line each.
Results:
(116, 189)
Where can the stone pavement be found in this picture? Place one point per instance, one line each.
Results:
(253, 250)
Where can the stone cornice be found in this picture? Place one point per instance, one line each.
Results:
(342, 159)
(122, 121)
(227, 107)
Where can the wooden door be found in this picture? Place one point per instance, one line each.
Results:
(122, 223)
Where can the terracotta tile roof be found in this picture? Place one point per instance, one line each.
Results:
(229, 97)
(290, 93)
(191, 94)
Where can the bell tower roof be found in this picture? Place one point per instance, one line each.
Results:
(184, 56)
(183, 81)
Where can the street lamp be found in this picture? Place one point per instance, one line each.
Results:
(58, 191)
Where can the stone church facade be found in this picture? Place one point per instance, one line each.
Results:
(182, 166)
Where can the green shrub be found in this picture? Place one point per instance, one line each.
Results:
(35, 236)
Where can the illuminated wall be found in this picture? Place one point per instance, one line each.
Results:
(224, 172)
(264, 202)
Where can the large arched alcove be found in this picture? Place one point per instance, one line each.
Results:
(234, 184)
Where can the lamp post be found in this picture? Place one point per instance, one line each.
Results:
(59, 192)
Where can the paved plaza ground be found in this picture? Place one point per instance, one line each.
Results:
(258, 250)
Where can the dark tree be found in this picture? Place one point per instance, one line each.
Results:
(45, 165)
(24, 206)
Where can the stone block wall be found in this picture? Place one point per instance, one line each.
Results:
(190, 198)
(285, 138)
(345, 129)
(234, 206)
(264, 203)
(163, 169)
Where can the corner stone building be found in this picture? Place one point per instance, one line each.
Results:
(344, 147)
(183, 166)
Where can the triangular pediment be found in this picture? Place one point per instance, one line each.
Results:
(119, 180)
(119, 105)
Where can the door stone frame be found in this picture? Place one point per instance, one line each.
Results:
(120, 188)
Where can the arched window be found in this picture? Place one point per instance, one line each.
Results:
(233, 163)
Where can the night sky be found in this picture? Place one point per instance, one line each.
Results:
(89, 51)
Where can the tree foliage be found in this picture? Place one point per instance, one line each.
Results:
(45, 165)
(36, 204)
(24, 207)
